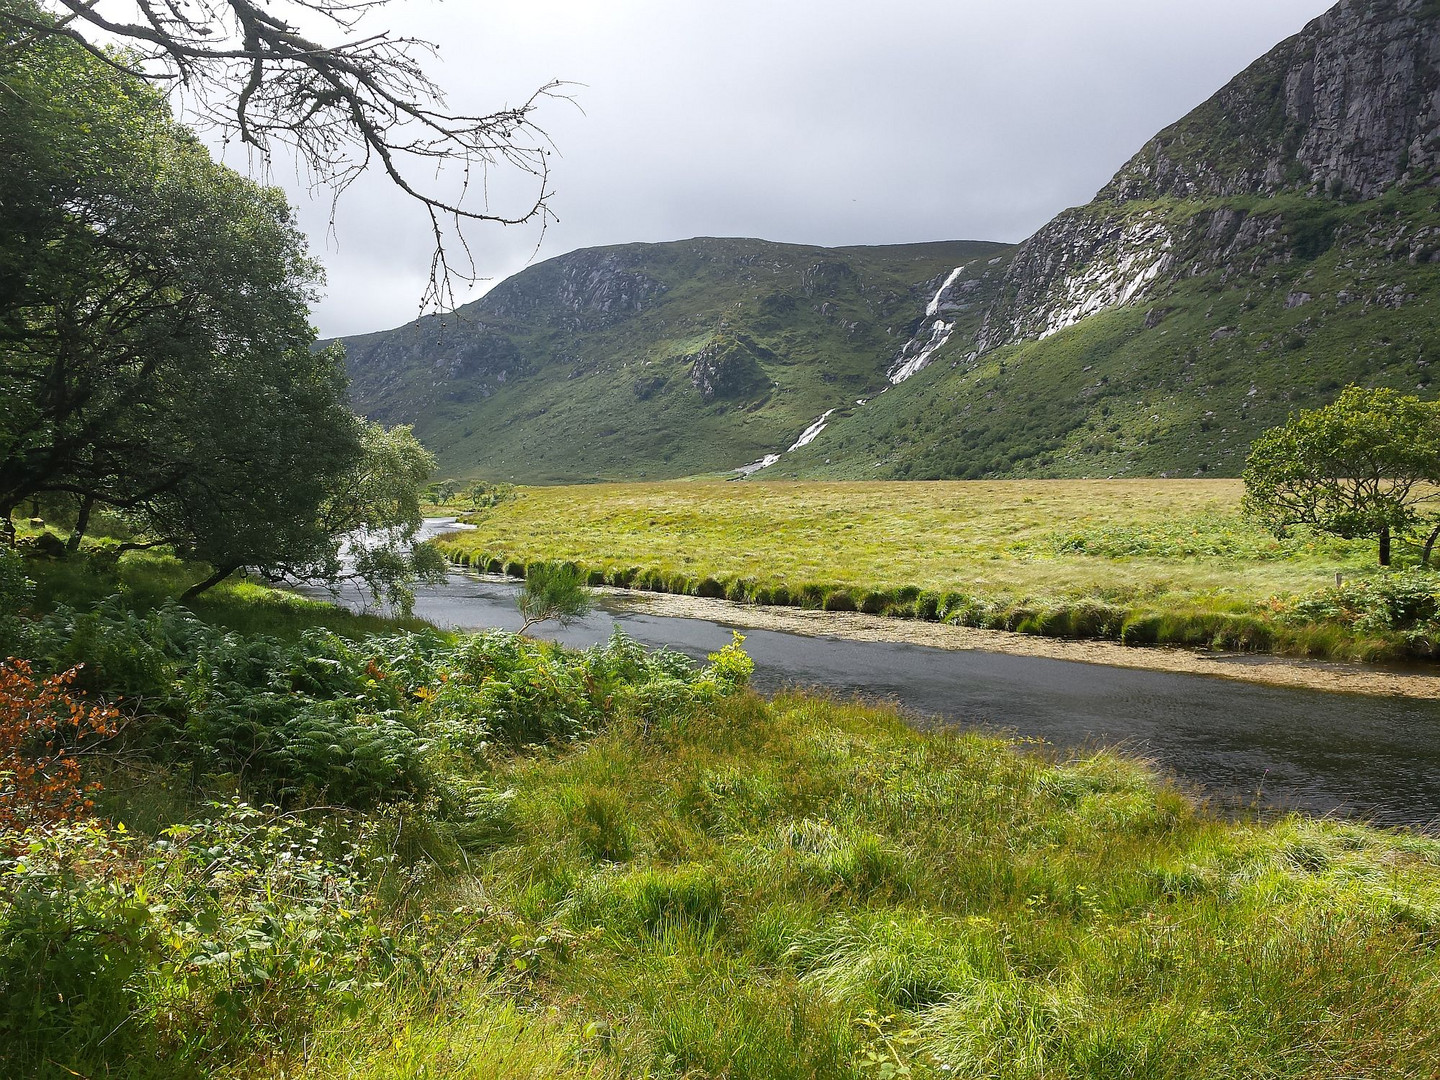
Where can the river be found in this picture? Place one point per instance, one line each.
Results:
(1376, 758)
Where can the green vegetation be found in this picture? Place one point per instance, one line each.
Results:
(553, 591)
(489, 857)
(1145, 562)
(658, 360)
(1360, 467)
(1180, 383)
(158, 351)
(156, 357)
(1224, 279)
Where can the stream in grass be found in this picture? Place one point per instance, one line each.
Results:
(1375, 758)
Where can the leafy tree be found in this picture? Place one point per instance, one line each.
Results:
(376, 510)
(356, 99)
(553, 591)
(155, 348)
(1364, 465)
(155, 306)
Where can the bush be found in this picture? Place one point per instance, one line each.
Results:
(553, 591)
(17, 592)
(41, 727)
(1407, 600)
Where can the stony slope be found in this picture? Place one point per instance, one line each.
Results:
(1275, 244)
(659, 359)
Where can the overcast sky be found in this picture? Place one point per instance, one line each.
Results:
(834, 122)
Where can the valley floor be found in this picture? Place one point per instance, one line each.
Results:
(493, 857)
(1142, 562)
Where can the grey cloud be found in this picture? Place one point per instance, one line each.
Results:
(828, 123)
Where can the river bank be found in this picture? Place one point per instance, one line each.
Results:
(856, 626)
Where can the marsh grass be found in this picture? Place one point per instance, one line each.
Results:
(1145, 562)
(147, 579)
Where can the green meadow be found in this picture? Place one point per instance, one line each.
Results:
(329, 847)
(1140, 561)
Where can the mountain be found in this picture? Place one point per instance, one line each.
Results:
(1279, 242)
(659, 360)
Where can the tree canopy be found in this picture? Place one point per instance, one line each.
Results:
(1365, 465)
(156, 354)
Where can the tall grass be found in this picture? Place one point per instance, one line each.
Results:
(810, 889)
(692, 881)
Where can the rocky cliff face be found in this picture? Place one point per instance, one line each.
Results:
(584, 290)
(1344, 111)
(1349, 107)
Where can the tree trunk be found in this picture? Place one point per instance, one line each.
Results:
(1385, 545)
(1429, 547)
(82, 522)
(7, 525)
(220, 574)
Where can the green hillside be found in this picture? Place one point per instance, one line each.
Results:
(1181, 383)
(663, 360)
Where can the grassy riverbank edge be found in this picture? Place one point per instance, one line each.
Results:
(1074, 620)
(1331, 676)
(1137, 563)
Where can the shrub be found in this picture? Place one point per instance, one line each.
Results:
(553, 591)
(731, 668)
(220, 938)
(42, 725)
(1407, 600)
(17, 592)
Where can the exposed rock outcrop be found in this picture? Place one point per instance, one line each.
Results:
(1345, 110)
(729, 368)
(585, 290)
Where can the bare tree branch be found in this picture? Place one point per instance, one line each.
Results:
(248, 71)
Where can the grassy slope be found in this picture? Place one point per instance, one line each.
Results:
(617, 400)
(1109, 397)
(808, 889)
(1069, 558)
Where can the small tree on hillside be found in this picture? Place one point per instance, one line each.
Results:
(1362, 466)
